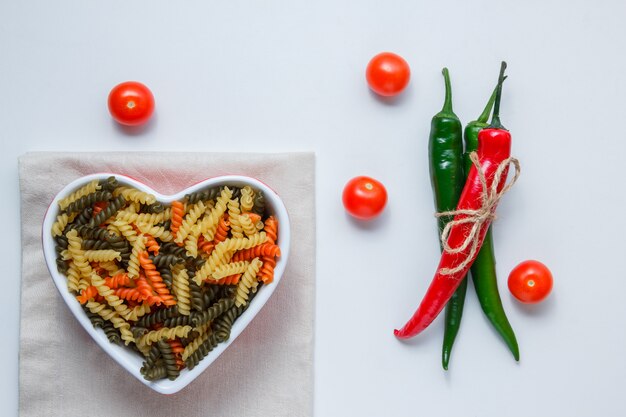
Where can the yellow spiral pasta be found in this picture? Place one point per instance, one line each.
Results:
(195, 343)
(191, 242)
(157, 232)
(230, 269)
(164, 333)
(209, 223)
(248, 227)
(111, 267)
(111, 299)
(133, 262)
(102, 255)
(60, 223)
(77, 254)
(73, 277)
(119, 323)
(233, 218)
(125, 230)
(136, 312)
(180, 287)
(247, 199)
(134, 195)
(92, 187)
(223, 251)
(153, 218)
(190, 219)
(248, 282)
(127, 216)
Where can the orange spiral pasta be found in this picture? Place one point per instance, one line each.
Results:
(117, 281)
(151, 244)
(265, 249)
(142, 285)
(154, 278)
(86, 294)
(230, 280)
(266, 273)
(130, 294)
(255, 218)
(271, 229)
(205, 246)
(177, 350)
(99, 206)
(222, 229)
(178, 211)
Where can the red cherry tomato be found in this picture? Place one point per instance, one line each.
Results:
(131, 103)
(530, 282)
(388, 74)
(364, 197)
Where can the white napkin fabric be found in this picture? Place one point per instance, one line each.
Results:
(267, 371)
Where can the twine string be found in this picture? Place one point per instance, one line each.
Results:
(490, 197)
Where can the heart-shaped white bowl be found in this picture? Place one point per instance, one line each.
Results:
(127, 358)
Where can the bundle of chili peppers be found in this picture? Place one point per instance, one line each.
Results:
(467, 186)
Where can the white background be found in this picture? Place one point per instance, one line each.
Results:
(289, 76)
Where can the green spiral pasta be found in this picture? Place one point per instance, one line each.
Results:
(167, 276)
(169, 360)
(209, 294)
(156, 372)
(177, 321)
(218, 308)
(163, 260)
(138, 331)
(95, 319)
(113, 207)
(180, 288)
(172, 248)
(152, 208)
(134, 195)
(195, 293)
(223, 324)
(82, 191)
(204, 195)
(109, 184)
(259, 204)
(112, 333)
(88, 201)
(158, 316)
(150, 360)
(202, 351)
(95, 244)
(83, 217)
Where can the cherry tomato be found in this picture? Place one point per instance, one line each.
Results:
(364, 197)
(388, 74)
(530, 282)
(131, 103)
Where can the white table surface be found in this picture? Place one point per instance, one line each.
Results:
(289, 76)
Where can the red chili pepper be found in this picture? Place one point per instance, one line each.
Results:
(475, 210)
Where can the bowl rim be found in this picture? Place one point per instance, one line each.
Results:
(123, 355)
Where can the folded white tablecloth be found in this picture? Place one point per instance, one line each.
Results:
(268, 370)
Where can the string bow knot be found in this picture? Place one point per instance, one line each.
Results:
(490, 197)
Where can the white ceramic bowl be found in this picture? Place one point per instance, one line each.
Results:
(127, 358)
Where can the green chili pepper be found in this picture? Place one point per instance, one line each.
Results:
(445, 148)
(483, 271)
